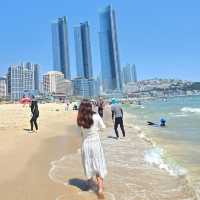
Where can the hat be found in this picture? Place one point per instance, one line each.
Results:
(113, 100)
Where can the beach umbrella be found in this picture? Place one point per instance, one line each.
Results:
(25, 100)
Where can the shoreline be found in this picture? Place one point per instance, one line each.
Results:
(157, 155)
(120, 170)
(57, 145)
(26, 157)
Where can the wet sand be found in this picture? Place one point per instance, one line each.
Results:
(25, 157)
(28, 173)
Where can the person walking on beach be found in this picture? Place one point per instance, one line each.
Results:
(100, 104)
(117, 117)
(35, 113)
(92, 152)
(67, 105)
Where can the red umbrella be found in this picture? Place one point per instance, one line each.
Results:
(25, 100)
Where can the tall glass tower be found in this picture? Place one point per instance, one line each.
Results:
(110, 61)
(60, 46)
(129, 73)
(83, 51)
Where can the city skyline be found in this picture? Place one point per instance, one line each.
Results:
(158, 36)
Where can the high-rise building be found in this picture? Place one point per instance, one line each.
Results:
(54, 83)
(2, 87)
(68, 87)
(110, 61)
(84, 87)
(83, 50)
(22, 79)
(60, 46)
(129, 74)
(36, 77)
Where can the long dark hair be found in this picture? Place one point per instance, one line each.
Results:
(85, 114)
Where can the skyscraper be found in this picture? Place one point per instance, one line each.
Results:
(60, 46)
(84, 84)
(110, 61)
(36, 77)
(129, 74)
(83, 50)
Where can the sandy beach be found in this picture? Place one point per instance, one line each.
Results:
(47, 165)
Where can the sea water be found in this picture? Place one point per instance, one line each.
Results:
(151, 163)
(179, 142)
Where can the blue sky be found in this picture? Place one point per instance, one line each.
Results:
(161, 37)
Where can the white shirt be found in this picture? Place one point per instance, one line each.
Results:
(95, 128)
(116, 108)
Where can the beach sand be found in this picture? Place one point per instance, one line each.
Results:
(47, 165)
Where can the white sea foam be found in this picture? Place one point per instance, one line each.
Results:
(191, 110)
(178, 114)
(156, 157)
(54, 166)
(136, 161)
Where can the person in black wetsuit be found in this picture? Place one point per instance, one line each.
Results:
(35, 113)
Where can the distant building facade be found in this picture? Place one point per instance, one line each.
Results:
(36, 77)
(110, 60)
(55, 83)
(22, 79)
(129, 74)
(3, 87)
(61, 60)
(84, 87)
(83, 51)
(68, 87)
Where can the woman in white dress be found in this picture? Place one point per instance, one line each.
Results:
(92, 153)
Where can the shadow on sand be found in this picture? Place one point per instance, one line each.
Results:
(79, 183)
(27, 129)
(84, 186)
(112, 137)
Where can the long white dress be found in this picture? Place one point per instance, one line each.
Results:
(92, 152)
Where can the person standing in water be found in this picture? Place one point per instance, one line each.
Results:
(117, 117)
(92, 152)
(35, 114)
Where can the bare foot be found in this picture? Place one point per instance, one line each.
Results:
(100, 195)
(100, 188)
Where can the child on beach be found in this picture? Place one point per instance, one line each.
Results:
(92, 153)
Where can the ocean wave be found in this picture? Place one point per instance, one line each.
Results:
(157, 157)
(191, 110)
